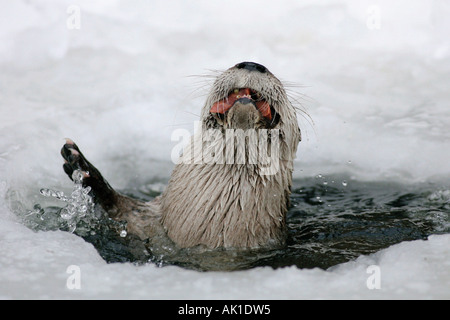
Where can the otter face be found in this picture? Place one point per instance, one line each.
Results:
(248, 99)
(246, 96)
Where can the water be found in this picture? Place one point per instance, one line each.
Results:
(80, 205)
(331, 221)
(334, 223)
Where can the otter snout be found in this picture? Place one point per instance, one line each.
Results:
(243, 115)
(251, 66)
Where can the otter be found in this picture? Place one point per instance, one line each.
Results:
(230, 186)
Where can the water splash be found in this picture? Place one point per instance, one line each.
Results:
(327, 224)
(79, 207)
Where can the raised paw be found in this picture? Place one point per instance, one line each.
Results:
(74, 159)
(100, 189)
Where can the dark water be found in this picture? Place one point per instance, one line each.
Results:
(331, 221)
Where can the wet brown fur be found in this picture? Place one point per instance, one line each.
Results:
(223, 205)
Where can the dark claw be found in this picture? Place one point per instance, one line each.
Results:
(65, 151)
(74, 158)
(68, 170)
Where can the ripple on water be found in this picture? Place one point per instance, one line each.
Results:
(328, 223)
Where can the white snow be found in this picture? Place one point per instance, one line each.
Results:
(376, 90)
(34, 266)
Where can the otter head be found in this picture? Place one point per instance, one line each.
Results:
(248, 96)
(213, 197)
(243, 98)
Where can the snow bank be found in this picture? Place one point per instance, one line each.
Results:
(37, 266)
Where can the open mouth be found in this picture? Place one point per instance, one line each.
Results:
(222, 106)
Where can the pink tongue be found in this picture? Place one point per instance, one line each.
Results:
(224, 105)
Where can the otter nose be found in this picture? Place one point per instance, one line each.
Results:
(252, 66)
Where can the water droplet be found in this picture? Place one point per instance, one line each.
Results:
(37, 211)
(45, 192)
(65, 215)
(344, 183)
(72, 227)
(87, 190)
(79, 204)
(123, 233)
(77, 176)
(61, 196)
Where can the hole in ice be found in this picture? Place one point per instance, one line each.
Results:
(327, 224)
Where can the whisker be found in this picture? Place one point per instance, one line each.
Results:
(273, 118)
(181, 124)
(191, 113)
(203, 84)
(299, 101)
